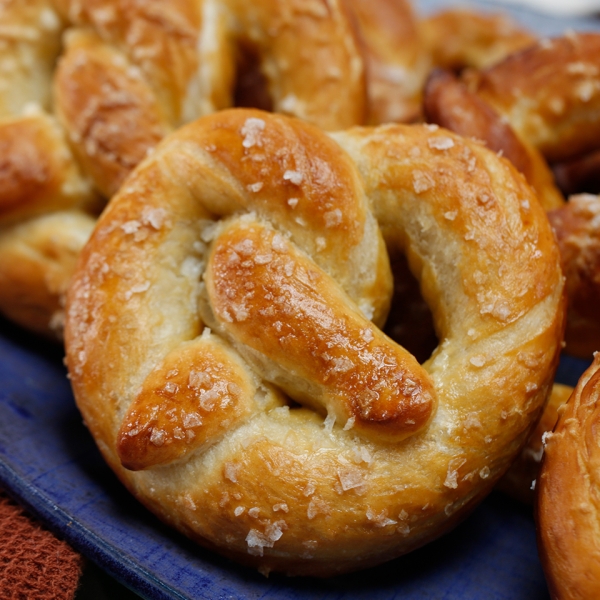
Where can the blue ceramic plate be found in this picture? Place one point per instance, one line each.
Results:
(49, 463)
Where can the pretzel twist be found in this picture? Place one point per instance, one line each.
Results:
(221, 311)
(567, 499)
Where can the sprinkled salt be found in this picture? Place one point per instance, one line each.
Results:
(192, 420)
(231, 471)
(484, 473)
(255, 187)
(333, 217)
(329, 422)
(477, 361)
(440, 143)
(137, 289)
(155, 217)
(171, 387)
(278, 243)
(239, 510)
(309, 489)
(157, 437)
(294, 177)
(317, 506)
(251, 131)
(350, 478)
(367, 335)
(349, 423)
(422, 181)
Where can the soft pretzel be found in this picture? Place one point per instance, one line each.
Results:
(450, 103)
(221, 351)
(549, 93)
(188, 50)
(567, 500)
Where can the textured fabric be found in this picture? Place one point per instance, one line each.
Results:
(34, 564)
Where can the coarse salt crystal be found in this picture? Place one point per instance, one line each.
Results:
(294, 177)
(440, 143)
(251, 131)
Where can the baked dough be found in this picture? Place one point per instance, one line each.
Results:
(222, 345)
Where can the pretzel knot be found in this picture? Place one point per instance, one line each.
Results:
(224, 344)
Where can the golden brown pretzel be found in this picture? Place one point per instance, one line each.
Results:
(219, 343)
(567, 500)
(130, 72)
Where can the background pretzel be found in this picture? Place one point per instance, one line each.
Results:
(119, 75)
(538, 106)
(37, 172)
(567, 512)
(271, 434)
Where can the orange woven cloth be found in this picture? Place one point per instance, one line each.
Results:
(34, 564)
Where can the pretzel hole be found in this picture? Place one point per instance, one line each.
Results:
(410, 322)
(294, 321)
(251, 88)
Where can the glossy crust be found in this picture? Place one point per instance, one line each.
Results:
(540, 105)
(567, 502)
(38, 173)
(271, 435)
(187, 51)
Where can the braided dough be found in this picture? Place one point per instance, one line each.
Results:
(567, 501)
(221, 351)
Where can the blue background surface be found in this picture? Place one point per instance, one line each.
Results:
(49, 463)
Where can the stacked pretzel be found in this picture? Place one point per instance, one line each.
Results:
(223, 324)
(88, 90)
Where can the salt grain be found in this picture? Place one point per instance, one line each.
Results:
(252, 131)
(294, 177)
